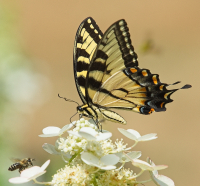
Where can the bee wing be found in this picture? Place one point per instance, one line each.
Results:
(15, 160)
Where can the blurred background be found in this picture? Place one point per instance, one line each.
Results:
(36, 63)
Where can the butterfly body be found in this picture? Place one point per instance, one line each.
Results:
(100, 114)
(107, 75)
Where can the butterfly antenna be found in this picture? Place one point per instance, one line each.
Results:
(67, 99)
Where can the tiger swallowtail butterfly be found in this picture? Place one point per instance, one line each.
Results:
(107, 75)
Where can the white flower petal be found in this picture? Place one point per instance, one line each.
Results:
(88, 133)
(18, 180)
(50, 149)
(50, 132)
(148, 137)
(65, 128)
(131, 134)
(30, 172)
(133, 155)
(103, 136)
(74, 133)
(142, 164)
(109, 167)
(45, 165)
(159, 167)
(119, 154)
(37, 175)
(66, 155)
(163, 181)
(89, 158)
(134, 132)
(110, 159)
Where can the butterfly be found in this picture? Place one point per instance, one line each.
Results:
(107, 75)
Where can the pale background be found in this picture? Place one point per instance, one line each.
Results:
(46, 31)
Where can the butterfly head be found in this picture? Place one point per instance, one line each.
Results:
(80, 109)
(88, 111)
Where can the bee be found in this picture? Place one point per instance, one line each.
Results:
(21, 164)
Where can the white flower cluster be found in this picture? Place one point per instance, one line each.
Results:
(93, 159)
(71, 175)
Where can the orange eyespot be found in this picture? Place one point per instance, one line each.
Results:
(133, 70)
(144, 73)
(161, 87)
(152, 110)
(161, 105)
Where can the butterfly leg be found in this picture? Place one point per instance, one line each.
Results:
(80, 116)
(99, 124)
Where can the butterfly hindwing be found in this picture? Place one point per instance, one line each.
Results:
(87, 37)
(134, 89)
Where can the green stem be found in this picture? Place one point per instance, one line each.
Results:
(94, 181)
(74, 156)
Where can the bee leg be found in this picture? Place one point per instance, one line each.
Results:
(21, 169)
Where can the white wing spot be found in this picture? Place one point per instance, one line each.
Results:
(122, 28)
(89, 21)
(131, 52)
(121, 23)
(91, 26)
(126, 39)
(128, 46)
(96, 31)
(124, 34)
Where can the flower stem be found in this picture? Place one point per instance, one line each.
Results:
(132, 146)
(133, 177)
(95, 171)
(64, 159)
(42, 183)
(121, 166)
(71, 159)
(144, 181)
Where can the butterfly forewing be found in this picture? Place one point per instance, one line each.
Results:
(113, 53)
(87, 37)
